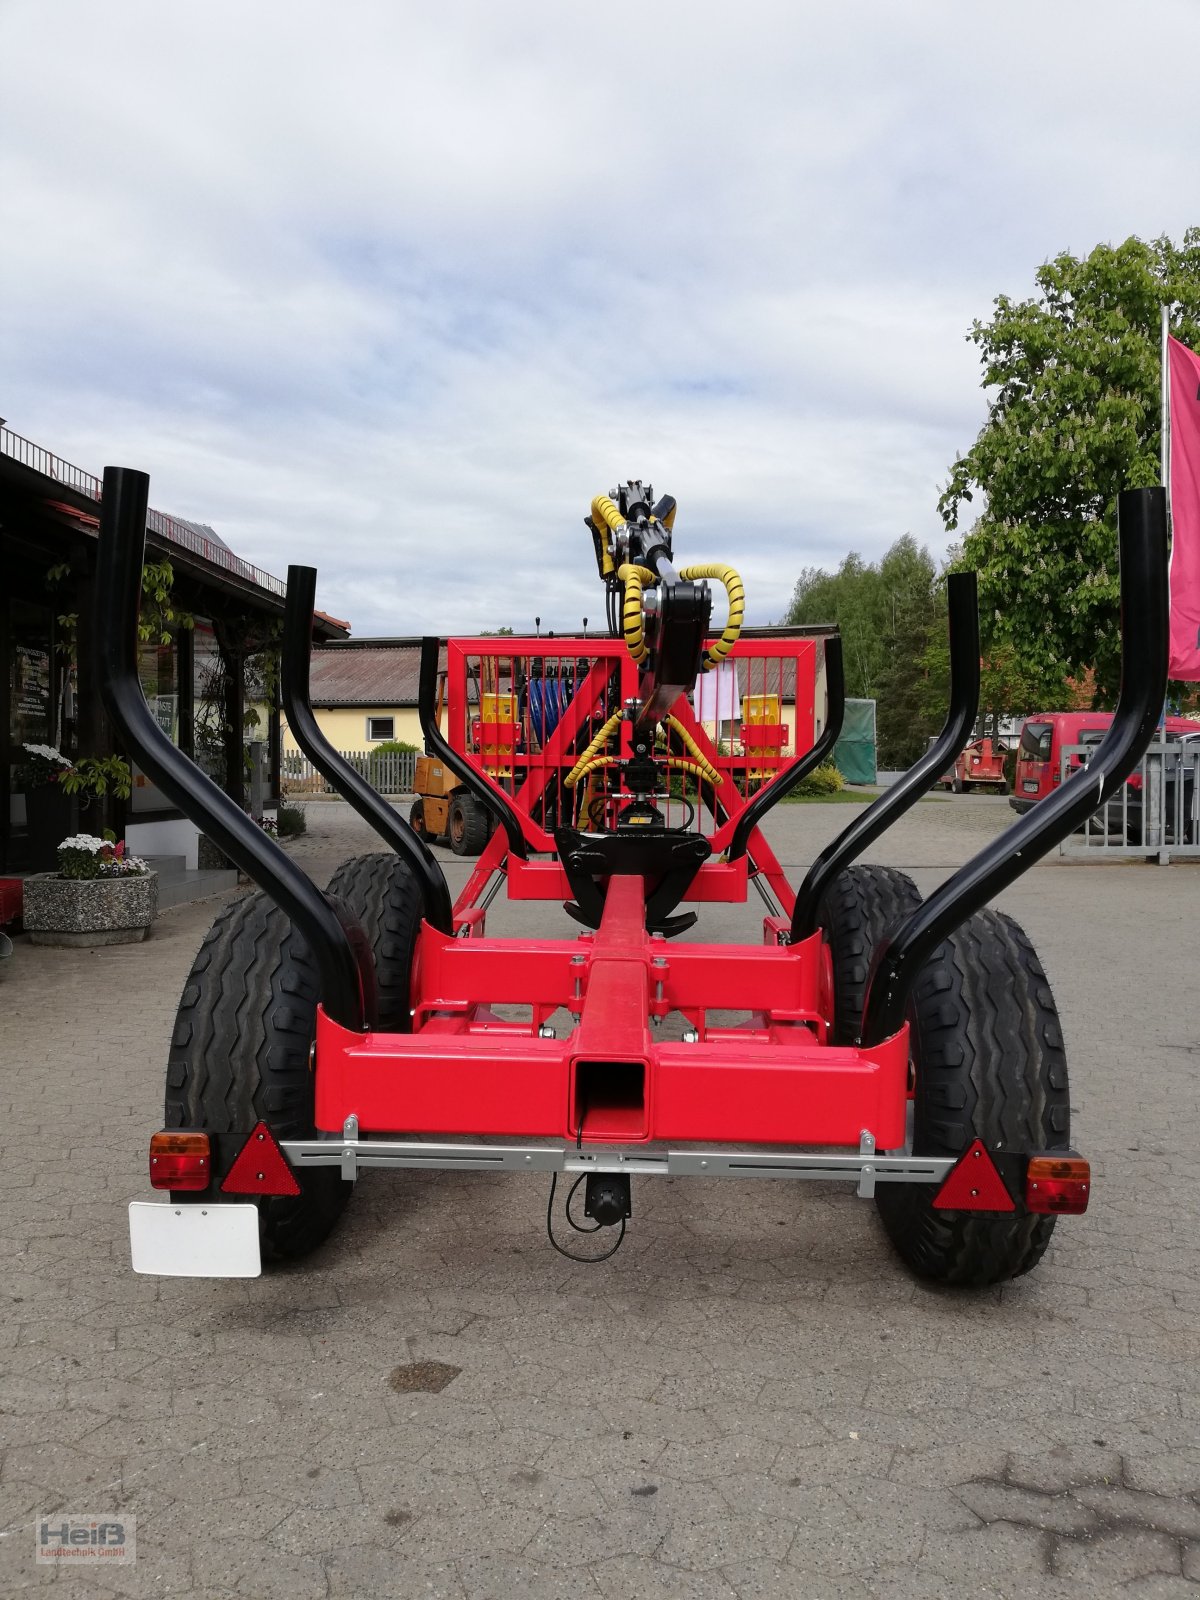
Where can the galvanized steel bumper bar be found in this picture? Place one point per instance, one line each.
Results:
(865, 1168)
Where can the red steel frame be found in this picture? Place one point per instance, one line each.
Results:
(762, 664)
(467, 1068)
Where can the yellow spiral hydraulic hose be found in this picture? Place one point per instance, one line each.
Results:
(582, 768)
(634, 579)
(593, 749)
(605, 511)
(698, 769)
(694, 750)
(736, 595)
(607, 520)
(675, 763)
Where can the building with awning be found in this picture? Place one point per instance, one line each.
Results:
(210, 684)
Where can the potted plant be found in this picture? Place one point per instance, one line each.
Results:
(94, 776)
(55, 786)
(49, 809)
(99, 895)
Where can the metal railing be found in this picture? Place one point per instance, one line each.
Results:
(392, 772)
(1156, 814)
(54, 467)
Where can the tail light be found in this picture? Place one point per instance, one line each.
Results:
(1060, 1185)
(180, 1161)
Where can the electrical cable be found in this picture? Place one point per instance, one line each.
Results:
(683, 800)
(562, 1250)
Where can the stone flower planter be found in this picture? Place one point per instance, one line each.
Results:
(83, 911)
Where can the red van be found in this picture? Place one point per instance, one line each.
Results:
(1039, 754)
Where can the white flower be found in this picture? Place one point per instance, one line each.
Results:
(83, 841)
(48, 753)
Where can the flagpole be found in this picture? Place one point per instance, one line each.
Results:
(1166, 408)
(1156, 777)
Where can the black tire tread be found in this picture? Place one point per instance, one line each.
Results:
(240, 1052)
(990, 1065)
(860, 906)
(475, 825)
(381, 892)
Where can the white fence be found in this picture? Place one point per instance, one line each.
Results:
(1155, 816)
(389, 771)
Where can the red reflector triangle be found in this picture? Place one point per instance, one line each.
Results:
(260, 1168)
(973, 1184)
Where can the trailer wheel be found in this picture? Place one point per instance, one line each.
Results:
(989, 1064)
(240, 1052)
(382, 894)
(468, 826)
(856, 910)
(416, 819)
(958, 785)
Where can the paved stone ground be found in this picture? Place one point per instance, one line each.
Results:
(751, 1400)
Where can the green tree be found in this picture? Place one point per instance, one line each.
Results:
(851, 598)
(1073, 375)
(1006, 686)
(887, 616)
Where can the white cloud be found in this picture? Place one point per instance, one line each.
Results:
(395, 290)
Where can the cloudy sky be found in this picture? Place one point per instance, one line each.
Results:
(394, 289)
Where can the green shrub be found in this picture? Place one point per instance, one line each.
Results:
(290, 821)
(392, 747)
(825, 780)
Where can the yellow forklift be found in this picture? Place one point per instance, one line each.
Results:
(445, 811)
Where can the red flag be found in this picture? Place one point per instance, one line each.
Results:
(1183, 398)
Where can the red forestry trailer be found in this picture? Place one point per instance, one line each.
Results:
(909, 1048)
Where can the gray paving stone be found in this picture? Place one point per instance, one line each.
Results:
(717, 1458)
(368, 1572)
(638, 1578)
(1005, 1502)
(586, 1541)
(1156, 1586)
(1064, 1467)
(1004, 1554)
(704, 1533)
(492, 1577)
(241, 1566)
(1116, 1556)
(1178, 1516)
(1172, 1472)
(725, 1360)
(770, 1580)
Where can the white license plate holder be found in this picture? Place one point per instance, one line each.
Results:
(194, 1241)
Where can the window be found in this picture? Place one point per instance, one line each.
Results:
(381, 728)
(1035, 741)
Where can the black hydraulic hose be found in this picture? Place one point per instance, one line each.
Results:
(347, 988)
(351, 785)
(491, 799)
(835, 683)
(922, 775)
(1142, 531)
